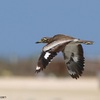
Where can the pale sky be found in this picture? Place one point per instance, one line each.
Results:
(23, 22)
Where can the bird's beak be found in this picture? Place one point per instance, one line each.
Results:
(39, 41)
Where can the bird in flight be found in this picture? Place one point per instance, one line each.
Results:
(71, 49)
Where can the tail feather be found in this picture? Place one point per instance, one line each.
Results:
(86, 42)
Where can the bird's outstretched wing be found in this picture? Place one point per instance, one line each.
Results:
(49, 52)
(44, 59)
(74, 59)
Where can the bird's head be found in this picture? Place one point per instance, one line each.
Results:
(44, 40)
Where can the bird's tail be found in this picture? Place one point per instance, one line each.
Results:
(86, 42)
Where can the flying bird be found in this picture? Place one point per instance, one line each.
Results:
(71, 49)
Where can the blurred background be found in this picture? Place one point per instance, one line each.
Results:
(22, 23)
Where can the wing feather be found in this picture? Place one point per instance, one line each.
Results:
(49, 52)
(74, 59)
(55, 43)
(44, 59)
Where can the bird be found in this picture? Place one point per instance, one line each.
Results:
(71, 49)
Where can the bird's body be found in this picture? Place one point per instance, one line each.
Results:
(70, 47)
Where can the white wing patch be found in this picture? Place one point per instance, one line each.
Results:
(38, 68)
(47, 55)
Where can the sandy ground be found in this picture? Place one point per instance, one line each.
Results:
(18, 88)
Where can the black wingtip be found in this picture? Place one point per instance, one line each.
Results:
(36, 71)
(76, 76)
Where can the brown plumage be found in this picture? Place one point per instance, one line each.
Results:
(70, 47)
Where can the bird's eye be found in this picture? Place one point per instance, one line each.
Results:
(44, 39)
